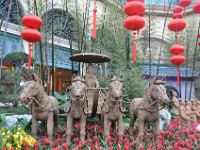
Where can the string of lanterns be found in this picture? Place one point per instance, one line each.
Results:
(30, 33)
(135, 10)
(177, 25)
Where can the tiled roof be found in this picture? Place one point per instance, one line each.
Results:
(169, 71)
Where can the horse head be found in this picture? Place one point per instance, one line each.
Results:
(157, 90)
(116, 88)
(78, 88)
(30, 89)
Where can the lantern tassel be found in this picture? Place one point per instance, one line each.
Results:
(176, 38)
(134, 50)
(178, 75)
(30, 55)
(94, 33)
(164, 6)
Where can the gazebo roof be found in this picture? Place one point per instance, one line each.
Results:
(170, 71)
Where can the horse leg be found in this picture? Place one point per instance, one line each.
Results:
(34, 126)
(50, 124)
(106, 127)
(156, 127)
(131, 124)
(141, 130)
(120, 127)
(69, 128)
(82, 127)
(55, 118)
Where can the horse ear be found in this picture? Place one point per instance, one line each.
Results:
(34, 77)
(164, 78)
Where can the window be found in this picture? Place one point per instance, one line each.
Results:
(16, 12)
(62, 24)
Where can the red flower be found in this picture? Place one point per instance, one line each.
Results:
(76, 140)
(36, 145)
(46, 141)
(109, 138)
(141, 148)
(95, 138)
(65, 146)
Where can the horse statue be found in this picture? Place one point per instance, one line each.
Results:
(77, 108)
(112, 110)
(43, 107)
(146, 109)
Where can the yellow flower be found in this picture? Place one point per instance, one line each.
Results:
(8, 146)
(3, 134)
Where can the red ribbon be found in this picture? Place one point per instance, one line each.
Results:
(176, 38)
(30, 55)
(164, 6)
(94, 32)
(178, 75)
(134, 50)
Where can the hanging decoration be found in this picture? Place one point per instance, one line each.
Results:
(196, 7)
(184, 4)
(164, 6)
(94, 30)
(176, 25)
(30, 34)
(135, 10)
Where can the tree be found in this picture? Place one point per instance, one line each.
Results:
(16, 59)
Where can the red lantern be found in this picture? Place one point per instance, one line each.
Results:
(134, 8)
(177, 9)
(32, 21)
(185, 3)
(177, 49)
(177, 25)
(94, 32)
(196, 7)
(199, 43)
(177, 15)
(134, 23)
(198, 35)
(178, 60)
(31, 35)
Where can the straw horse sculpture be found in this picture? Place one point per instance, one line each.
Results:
(77, 109)
(112, 110)
(146, 109)
(43, 107)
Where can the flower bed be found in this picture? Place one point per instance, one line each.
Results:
(174, 137)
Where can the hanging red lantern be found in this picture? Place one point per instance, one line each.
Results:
(177, 15)
(134, 23)
(184, 3)
(177, 25)
(198, 35)
(31, 35)
(177, 9)
(199, 43)
(32, 21)
(134, 8)
(177, 49)
(196, 7)
(178, 60)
